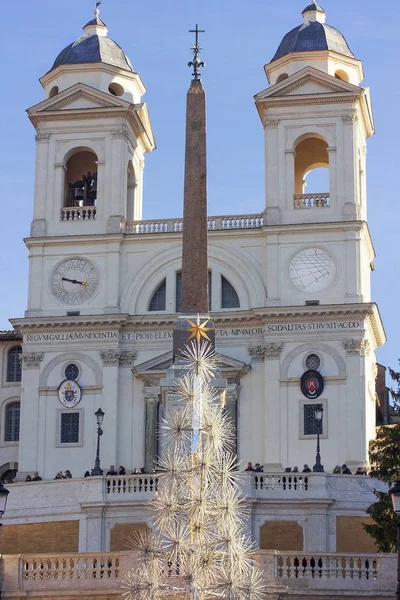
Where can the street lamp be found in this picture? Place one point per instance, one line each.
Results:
(3, 498)
(395, 494)
(318, 413)
(99, 414)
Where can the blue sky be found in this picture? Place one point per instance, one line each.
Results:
(241, 37)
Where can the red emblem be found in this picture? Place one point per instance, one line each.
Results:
(312, 385)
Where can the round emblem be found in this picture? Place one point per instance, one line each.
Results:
(69, 393)
(312, 384)
(312, 270)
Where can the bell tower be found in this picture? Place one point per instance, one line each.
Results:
(316, 119)
(92, 133)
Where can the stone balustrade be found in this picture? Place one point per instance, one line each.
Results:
(280, 484)
(78, 213)
(130, 485)
(139, 488)
(311, 201)
(306, 575)
(319, 571)
(214, 223)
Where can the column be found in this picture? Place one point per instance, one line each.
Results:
(151, 431)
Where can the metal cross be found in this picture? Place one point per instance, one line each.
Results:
(197, 31)
(196, 63)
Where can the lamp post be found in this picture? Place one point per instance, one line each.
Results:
(99, 414)
(395, 494)
(3, 499)
(318, 413)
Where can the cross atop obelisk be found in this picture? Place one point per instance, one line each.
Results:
(196, 63)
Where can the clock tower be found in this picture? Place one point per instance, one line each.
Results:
(92, 132)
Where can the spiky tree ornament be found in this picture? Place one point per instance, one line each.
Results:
(198, 547)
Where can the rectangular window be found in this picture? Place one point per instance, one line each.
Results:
(69, 430)
(311, 425)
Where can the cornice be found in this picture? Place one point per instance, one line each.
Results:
(66, 240)
(82, 322)
(131, 115)
(125, 238)
(256, 317)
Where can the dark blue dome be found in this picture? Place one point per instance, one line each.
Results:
(93, 49)
(313, 36)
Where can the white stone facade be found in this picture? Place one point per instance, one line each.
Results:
(300, 270)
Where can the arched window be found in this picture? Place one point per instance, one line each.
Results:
(14, 364)
(11, 430)
(81, 179)
(340, 74)
(178, 288)
(282, 77)
(158, 301)
(54, 91)
(311, 174)
(229, 297)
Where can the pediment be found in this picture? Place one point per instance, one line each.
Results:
(78, 97)
(308, 81)
(161, 363)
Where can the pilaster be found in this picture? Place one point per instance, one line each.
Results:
(151, 430)
(273, 435)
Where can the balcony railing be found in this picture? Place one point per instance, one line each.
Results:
(265, 482)
(130, 485)
(311, 201)
(214, 223)
(77, 574)
(78, 213)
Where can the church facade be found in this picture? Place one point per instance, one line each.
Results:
(289, 288)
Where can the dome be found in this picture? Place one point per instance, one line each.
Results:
(313, 35)
(94, 47)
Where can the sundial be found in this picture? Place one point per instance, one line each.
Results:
(312, 270)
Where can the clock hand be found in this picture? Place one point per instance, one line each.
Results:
(84, 283)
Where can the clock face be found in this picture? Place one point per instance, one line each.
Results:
(74, 281)
(312, 270)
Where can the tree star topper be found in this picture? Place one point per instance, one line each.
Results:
(198, 330)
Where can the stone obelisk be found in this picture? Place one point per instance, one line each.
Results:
(194, 303)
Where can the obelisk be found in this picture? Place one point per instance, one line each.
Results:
(194, 303)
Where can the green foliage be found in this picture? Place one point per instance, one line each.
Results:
(384, 457)
(395, 393)
(384, 454)
(383, 530)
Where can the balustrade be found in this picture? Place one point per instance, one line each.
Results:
(77, 574)
(277, 482)
(78, 213)
(213, 224)
(131, 484)
(69, 568)
(354, 567)
(311, 201)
